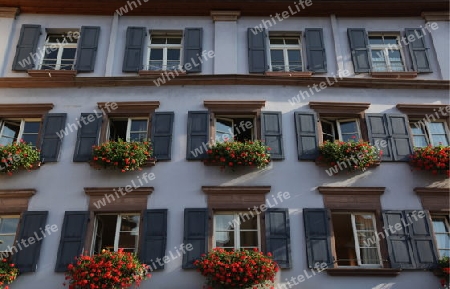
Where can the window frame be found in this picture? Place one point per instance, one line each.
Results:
(60, 46)
(427, 132)
(10, 216)
(285, 48)
(385, 48)
(21, 128)
(165, 48)
(231, 118)
(336, 125)
(129, 124)
(447, 227)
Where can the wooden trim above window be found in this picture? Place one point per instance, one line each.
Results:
(116, 201)
(436, 16)
(218, 15)
(234, 105)
(236, 189)
(434, 199)
(339, 108)
(422, 110)
(352, 198)
(9, 12)
(15, 201)
(394, 74)
(235, 197)
(363, 271)
(25, 110)
(129, 108)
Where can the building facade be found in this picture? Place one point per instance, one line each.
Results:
(186, 75)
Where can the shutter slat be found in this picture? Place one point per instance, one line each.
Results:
(134, 49)
(379, 136)
(359, 46)
(26, 47)
(87, 136)
(87, 48)
(72, 238)
(196, 234)
(315, 50)
(51, 142)
(272, 133)
(162, 129)
(197, 135)
(278, 236)
(401, 142)
(307, 139)
(418, 50)
(399, 247)
(318, 237)
(31, 224)
(193, 46)
(257, 55)
(154, 238)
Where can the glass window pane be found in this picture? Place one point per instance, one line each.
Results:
(291, 41)
(129, 223)
(390, 40)
(364, 222)
(7, 241)
(224, 239)
(249, 239)
(276, 40)
(30, 138)
(141, 137)
(158, 40)
(224, 130)
(155, 65)
(439, 140)
(395, 59)
(378, 61)
(139, 125)
(436, 127)
(69, 53)
(277, 55)
(128, 240)
(156, 54)
(31, 127)
(174, 40)
(249, 223)
(11, 129)
(327, 131)
(224, 222)
(420, 141)
(51, 53)
(369, 256)
(349, 127)
(375, 40)
(8, 225)
(173, 54)
(416, 129)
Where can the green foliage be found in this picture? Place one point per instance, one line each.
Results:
(18, 156)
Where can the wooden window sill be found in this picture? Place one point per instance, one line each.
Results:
(289, 74)
(363, 272)
(403, 74)
(52, 73)
(160, 72)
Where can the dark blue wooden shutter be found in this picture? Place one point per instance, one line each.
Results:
(278, 236)
(318, 237)
(399, 246)
(134, 49)
(73, 234)
(272, 133)
(162, 129)
(154, 238)
(315, 50)
(50, 141)
(379, 134)
(87, 136)
(400, 139)
(198, 135)
(257, 55)
(359, 46)
(307, 139)
(193, 46)
(422, 241)
(418, 51)
(31, 224)
(26, 47)
(195, 234)
(87, 48)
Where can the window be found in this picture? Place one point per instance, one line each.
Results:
(128, 129)
(344, 130)
(8, 228)
(14, 130)
(237, 230)
(442, 234)
(356, 243)
(285, 53)
(60, 50)
(164, 51)
(386, 54)
(114, 231)
(234, 128)
(426, 133)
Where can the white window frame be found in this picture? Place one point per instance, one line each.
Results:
(385, 49)
(356, 240)
(129, 121)
(9, 234)
(447, 226)
(231, 118)
(60, 46)
(237, 225)
(336, 124)
(117, 230)
(165, 47)
(21, 129)
(285, 48)
(427, 131)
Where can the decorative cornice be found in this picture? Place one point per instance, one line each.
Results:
(25, 109)
(421, 110)
(9, 12)
(134, 108)
(236, 189)
(436, 16)
(225, 15)
(339, 107)
(134, 191)
(431, 191)
(49, 73)
(233, 105)
(351, 190)
(25, 193)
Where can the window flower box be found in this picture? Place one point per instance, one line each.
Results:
(443, 272)
(121, 155)
(238, 269)
(434, 159)
(18, 156)
(234, 154)
(8, 273)
(348, 156)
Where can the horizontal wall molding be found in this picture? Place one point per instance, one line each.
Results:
(236, 189)
(9, 12)
(128, 108)
(351, 190)
(436, 16)
(421, 110)
(25, 109)
(225, 15)
(232, 105)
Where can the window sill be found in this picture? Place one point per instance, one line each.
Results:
(52, 73)
(289, 74)
(160, 72)
(402, 75)
(363, 272)
(149, 163)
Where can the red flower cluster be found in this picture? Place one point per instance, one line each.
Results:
(237, 269)
(236, 153)
(125, 156)
(107, 270)
(8, 273)
(431, 158)
(444, 266)
(18, 156)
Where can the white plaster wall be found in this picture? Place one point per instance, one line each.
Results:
(178, 182)
(441, 44)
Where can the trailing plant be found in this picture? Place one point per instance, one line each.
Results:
(8, 273)
(235, 153)
(18, 156)
(121, 155)
(238, 269)
(106, 270)
(434, 159)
